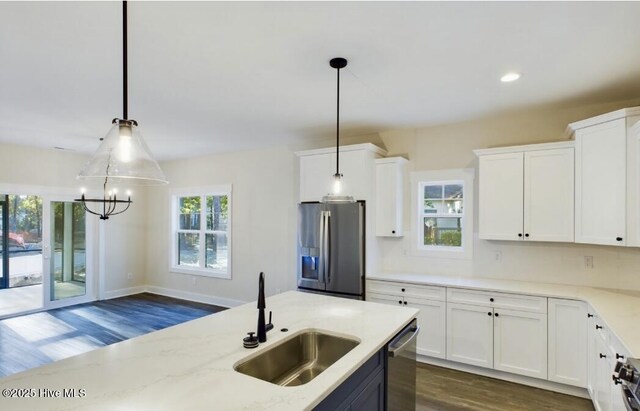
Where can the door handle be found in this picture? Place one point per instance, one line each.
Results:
(395, 351)
(321, 257)
(327, 246)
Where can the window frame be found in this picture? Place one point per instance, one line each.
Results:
(422, 215)
(203, 193)
(418, 179)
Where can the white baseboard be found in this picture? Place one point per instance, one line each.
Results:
(197, 297)
(505, 376)
(122, 292)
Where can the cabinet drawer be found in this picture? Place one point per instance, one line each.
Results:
(406, 290)
(516, 302)
(385, 299)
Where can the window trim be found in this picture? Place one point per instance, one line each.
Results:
(202, 192)
(422, 215)
(418, 180)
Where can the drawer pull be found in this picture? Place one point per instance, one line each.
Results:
(618, 238)
(602, 355)
(618, 356)
(598, 327)
(589, 315)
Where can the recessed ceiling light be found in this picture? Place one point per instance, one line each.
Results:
(509, 77)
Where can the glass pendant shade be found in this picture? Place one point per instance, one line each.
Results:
(123, 156)
(336, 197)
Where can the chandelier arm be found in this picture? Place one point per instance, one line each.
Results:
(84, 205)
(122, 211)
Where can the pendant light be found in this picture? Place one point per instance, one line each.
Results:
(336, 196)
(123, 156)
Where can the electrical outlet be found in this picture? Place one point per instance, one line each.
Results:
(588, 262)
(497, 256)
(129, 276)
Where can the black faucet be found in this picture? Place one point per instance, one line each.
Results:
(262, 327)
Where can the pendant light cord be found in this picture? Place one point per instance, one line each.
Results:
(125, 84)
(338, 127)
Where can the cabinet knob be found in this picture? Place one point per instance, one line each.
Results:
(497, 315)
(491, 299)
(618, 238)
(589, 315)
(526, 235)
(602, 355)
(598, 327)
(393, 231)
(519, 234)
(405, 303)
(618, 356)
(489, 313)
(400, 302)
(403, 290)
(616, 380)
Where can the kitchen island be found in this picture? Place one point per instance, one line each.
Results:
(191, 365)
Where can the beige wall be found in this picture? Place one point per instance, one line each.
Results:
(55, 171)
(264, 222)
(450, 146)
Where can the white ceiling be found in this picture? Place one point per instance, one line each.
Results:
(211, 77)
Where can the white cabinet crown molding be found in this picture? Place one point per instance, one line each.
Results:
(365, 146)
(603, 118)
(527, 147)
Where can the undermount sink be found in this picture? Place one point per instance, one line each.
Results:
(298, 359)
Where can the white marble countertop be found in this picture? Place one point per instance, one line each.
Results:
(190, 366)
(620, 310)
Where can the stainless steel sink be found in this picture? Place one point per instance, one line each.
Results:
(298, 359)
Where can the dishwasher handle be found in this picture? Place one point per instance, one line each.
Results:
(396, 351)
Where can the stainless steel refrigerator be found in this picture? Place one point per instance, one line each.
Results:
(331, 249)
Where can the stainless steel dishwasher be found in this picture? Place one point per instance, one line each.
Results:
(401, 369)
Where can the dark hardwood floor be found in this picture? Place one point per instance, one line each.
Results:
(442, 389)
(33, 340)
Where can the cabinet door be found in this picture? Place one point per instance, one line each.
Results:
(567, 335)
(431, 319)
(357, 172)
(470, 334)
(388, 200)
(316, 176)
(600, 215)
(592, 358)
(520, 343)
(603, 379)
(548, 195)
(501, 196)
(372, 398)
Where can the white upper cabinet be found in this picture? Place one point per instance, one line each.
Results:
(317, 168)
(548, 195)
(389, 195)
(606, 179)
(500, 202)
(527, 192)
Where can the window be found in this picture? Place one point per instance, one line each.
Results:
(201, 235)
(443, 210)
(441, 213)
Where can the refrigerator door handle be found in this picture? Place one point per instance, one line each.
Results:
(327, 246)
(321, 263)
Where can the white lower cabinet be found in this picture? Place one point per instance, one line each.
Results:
(559, 340)
(431, 319)
(431, 340)
(520, 343)
(568, 342)
(470, 334)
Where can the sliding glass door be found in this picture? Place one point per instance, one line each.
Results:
(68, 250)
